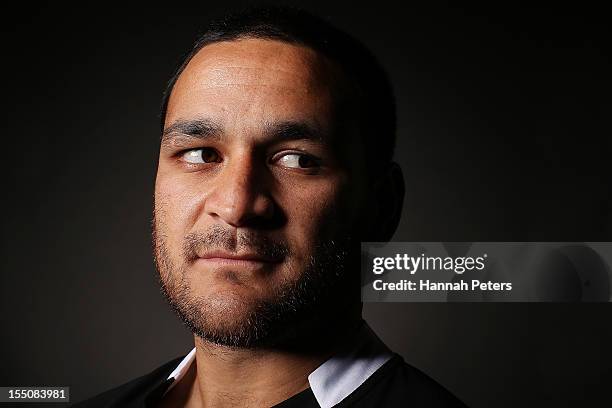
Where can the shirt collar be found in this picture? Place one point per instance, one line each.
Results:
(181, 369)
(336, 378)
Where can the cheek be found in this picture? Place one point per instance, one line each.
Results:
(314, 212)
(178, 200)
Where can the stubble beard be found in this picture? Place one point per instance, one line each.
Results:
(283, 318)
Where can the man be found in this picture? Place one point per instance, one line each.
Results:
(275, 162)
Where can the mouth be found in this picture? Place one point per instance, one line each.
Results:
(241, 260)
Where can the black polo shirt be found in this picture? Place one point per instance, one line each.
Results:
(366, 374)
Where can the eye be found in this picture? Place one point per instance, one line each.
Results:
(298, 161)
(199, 156)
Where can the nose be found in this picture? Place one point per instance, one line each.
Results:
(239, 196)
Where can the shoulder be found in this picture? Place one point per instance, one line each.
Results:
(132, 393)
(398, 384)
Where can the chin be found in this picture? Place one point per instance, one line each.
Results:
(226, 319)
(232, 303)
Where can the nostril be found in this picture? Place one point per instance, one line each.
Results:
(238, 210)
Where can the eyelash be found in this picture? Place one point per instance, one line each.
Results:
(275, 158)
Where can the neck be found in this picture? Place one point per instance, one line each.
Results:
(255, 377)
(242, 377)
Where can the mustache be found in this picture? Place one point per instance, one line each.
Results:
(230, 240)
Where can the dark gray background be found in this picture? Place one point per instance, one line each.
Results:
(504, 135)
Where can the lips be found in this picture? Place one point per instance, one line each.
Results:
(237, 258)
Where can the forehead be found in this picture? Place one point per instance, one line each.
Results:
(257, 79)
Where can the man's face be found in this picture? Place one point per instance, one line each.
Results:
(252, 198)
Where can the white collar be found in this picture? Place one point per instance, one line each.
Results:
(339, 376)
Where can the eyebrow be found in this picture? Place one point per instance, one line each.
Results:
(275, 131)
(293, 130)
(194, 128)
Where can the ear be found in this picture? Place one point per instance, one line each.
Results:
(386, 203)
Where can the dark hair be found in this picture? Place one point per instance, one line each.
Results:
(357, 64)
